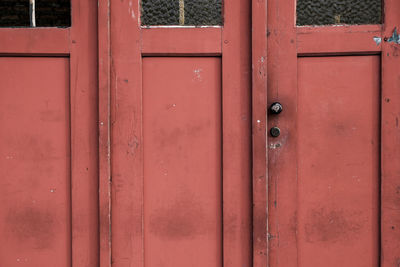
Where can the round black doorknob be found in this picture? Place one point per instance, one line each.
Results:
(276, 108)
(275, 131)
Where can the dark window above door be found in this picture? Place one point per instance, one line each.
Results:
(181, 12)
(334, 12)
(35, 13)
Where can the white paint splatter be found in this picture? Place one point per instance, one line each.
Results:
(197, 73)
(131, 11)
(274, 146)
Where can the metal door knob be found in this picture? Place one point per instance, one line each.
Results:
(276, 108)
(275, 131)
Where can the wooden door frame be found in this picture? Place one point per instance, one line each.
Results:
(259, 132)
(104, 77)
(78, 43)
(259, 100)
(120, 53)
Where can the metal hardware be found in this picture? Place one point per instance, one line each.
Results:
(276, 108)
(275, 131)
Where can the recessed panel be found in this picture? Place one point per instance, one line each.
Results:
(338, 161)
(182, 161)
(35, 218)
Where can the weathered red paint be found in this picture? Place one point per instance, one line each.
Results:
(182, 132)
(104, 77)
(390, 141)
(332, 186)
(338, 161)
(197, 41)
(49, 183)
(321, 209)
(35, 220)
(37, 41)
(259, 121)
(149, 221)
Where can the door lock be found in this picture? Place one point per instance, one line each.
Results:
(275, 131)
(276, 108)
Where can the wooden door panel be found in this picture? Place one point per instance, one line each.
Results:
(182, 161)
(199, 213)
(333, 171)
(35, 221)
(338, 124)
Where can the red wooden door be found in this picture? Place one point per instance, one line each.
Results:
(333, 170)
(180, 128)
(48, 143)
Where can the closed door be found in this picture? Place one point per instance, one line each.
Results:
(333, 138)
(48, 135)
(181, 127)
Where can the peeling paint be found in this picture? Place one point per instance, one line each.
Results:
(274, 146)
(377, 40)
(197, 73)
(395, 38)
(131, 11)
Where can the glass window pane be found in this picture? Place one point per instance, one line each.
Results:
(46, 13)
(181, 12)
(325, 12)
(14, 13)
(160, 12)
(203, 12)
(50, 13)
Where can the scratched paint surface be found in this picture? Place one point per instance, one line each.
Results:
(338, 161)
(182, 162)
(34, 162)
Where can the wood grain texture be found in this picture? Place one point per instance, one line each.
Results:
(390, 144)
(259, 138)
(282, 151)
(39, 41)
(104, 69)
(181, 41)
(338, 164)
(236, 103)
(328, 41)
(126, 137)
(84, 134)
(127, 48)
(79, 43)
(338, 40)
(182, 131)
(35, 169)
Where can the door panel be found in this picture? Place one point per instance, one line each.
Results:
(182, 161)
(180, 140)
(338, 124)
(35, 221)
(333, 170)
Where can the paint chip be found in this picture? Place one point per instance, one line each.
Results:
(377, 40)
(197, 73)
(395, 38)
